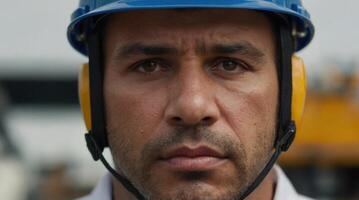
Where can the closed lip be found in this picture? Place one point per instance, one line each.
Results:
(189, 159)
(188, 152)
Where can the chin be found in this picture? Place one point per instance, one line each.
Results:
(193, 195)
(194, 190)
(214, 184)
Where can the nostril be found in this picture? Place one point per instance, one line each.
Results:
(207, 121)
(176, 119)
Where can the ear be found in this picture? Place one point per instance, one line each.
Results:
(299, 89)
(84, 95)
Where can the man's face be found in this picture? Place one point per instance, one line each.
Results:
(191, 100)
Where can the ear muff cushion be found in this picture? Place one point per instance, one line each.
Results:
(299, 89)
(84, 95)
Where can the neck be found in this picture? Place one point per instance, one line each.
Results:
(265, 191)
(119, 192)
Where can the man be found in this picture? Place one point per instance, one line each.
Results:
(194, 98)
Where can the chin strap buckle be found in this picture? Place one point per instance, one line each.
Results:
(287, 139)
(92, 146)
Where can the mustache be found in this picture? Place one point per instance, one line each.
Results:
(227, 143)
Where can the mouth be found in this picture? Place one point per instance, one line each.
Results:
(188, 159)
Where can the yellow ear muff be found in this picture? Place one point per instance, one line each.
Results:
(299, 89)
(84, 95)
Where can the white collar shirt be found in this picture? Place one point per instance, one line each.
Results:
(284, 189)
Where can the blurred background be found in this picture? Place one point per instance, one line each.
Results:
(42, 149)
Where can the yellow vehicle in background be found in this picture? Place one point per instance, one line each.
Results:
(329, 134)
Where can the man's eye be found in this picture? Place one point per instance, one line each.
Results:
(150, 66)
(230, 66)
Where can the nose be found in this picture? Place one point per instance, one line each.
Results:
(192, 100)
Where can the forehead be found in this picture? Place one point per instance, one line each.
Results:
(183, 26)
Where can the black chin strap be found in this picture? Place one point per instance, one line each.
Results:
(96, 139)
(95, 151)
(286, 127)
(281, 145)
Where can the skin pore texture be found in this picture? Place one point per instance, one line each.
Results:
(191, 102)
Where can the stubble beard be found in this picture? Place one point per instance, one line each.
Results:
(139, 170)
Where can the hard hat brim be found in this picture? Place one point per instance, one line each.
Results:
(294, 12)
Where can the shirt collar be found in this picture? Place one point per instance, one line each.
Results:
(103, 190)
(284, 188)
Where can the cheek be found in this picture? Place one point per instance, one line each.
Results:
(251, 115)
(132, 115)
(251, 111)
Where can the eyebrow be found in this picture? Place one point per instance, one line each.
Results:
(243, 48)
(139, 48)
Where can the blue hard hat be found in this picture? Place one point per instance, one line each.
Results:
(292, 9)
